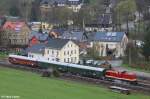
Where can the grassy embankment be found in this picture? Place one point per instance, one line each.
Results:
(31, 86)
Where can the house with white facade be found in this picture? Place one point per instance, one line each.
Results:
(61, 50)
(74, 5)
(110, 43)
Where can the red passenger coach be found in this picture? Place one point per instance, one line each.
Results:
(22, 61)
(125, 76)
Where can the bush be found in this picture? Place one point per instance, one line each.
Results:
(56, 73)
(46, 74)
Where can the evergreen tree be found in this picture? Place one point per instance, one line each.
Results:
(14, 11)
(146, 46)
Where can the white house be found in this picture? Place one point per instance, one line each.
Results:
(75, 5)
(110, 43)
(61, 50)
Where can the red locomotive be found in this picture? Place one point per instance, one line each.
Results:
(124, 76)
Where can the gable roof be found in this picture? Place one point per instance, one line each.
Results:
(38, 48)
(74, 35)
(109, 36)
(104, 19)
(15, 26)
(74, 2)
(69, 2)
(39, 36)
(57, 43)
(52, 2)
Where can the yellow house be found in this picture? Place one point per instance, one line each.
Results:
(44, 25)
(62, 50)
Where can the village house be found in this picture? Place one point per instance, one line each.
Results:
(110, 43)
(37, 38)
(74, 5)
(102, 23)
(35, 26)
(15, 33)
(61, 50)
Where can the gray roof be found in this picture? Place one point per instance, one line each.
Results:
(39, 36)
(52, 2)
(104, 19)
(38, 48)
(57, 43)
(109, 36)
(74, 35)
(69, 2)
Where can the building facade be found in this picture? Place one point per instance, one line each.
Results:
(15, 34)
(65, 51)
(56, 50)
(74, 5)
(110, 43)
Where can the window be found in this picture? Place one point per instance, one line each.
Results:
(64, 53)
(74, 51)
(47, 51)
(64, 60)
(68, 60)
(68, 52)
(75, 59)
(71, 52)
(57, 53)
(71, 59)
(52, 52)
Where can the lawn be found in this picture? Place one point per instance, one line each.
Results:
(3, 55)
(31, 86)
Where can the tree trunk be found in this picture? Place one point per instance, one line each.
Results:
(127, 20)
(130, 60)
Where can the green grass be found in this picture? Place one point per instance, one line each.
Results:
(31, 86)
(3, 55)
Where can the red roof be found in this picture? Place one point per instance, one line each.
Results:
(16, 26)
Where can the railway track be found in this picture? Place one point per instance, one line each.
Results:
(142, 86)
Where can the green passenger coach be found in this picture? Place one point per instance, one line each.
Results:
(75, 69)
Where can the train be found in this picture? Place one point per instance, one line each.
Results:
(75, 69)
